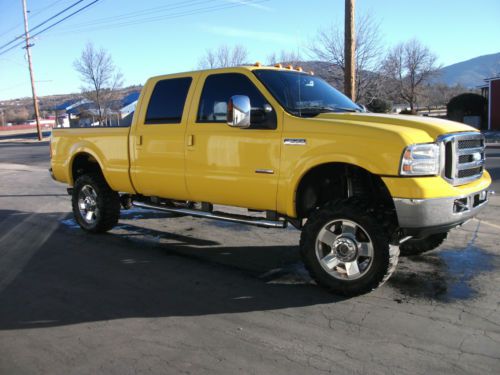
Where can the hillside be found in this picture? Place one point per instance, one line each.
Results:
(20, 110)
(471, 73)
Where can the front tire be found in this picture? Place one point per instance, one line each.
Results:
(96, 207)
(346, 249)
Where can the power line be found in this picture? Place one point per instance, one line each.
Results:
(161, 17)
(43, 23)
(65, 18)
(51, 26)
(177, 5)
(36, 12)
(57, 14)
(32, 15)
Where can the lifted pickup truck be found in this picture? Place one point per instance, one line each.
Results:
(360, 186)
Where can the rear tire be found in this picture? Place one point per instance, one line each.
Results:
(346, 249)
(96, 207)
(419, 246)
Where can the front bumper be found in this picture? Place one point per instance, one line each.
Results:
(416, 216)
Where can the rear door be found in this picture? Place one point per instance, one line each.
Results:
(157, 145)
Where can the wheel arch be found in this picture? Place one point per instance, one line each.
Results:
(337, 180)
(84, 162)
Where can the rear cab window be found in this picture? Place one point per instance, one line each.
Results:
(167, 101)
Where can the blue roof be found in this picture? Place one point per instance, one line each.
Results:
(126, 100)
(82, 107)
(66, 104)
(130, 98)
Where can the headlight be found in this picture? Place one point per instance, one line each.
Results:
(420, 160)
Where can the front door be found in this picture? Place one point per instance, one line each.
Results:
(232, 166)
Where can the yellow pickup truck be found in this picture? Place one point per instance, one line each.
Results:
(282, 142)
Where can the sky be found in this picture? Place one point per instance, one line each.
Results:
(152, 37)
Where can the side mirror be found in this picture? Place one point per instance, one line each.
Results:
(238, 111)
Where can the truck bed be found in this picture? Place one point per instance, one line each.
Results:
(108, 145)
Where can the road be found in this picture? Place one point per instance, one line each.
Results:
(163, 294)
(26, 134)
(493, 166)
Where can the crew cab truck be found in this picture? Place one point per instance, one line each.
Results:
(360, 186)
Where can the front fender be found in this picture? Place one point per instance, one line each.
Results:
(289, 186)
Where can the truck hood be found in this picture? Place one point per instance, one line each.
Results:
(434, 127)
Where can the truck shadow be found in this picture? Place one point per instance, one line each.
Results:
(75, 277)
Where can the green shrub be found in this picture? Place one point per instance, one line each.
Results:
(468, 104)
(379, 106)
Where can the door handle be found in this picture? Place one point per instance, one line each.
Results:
(139, 140)
(190, 140)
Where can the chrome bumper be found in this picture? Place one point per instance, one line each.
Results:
(439, 212)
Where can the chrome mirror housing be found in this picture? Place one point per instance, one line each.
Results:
(238, 111)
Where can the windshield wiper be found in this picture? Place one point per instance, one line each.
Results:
(345, 109)
(325, 109)
(316, 108)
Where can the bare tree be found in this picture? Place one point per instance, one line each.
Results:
(439, 94)
(284, 57)
(411, 66)
(17, 115)
(329, 46)
(223, 57)
(100, 77)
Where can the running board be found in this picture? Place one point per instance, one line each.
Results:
(216, 215)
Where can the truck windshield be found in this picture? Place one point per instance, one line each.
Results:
(304, 95)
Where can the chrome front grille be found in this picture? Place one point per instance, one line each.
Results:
(463, 157)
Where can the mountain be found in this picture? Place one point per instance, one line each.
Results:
(471, 73)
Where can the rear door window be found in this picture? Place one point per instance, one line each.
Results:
(167, 101)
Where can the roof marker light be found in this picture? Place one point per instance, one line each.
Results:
(299, 69)
(290, 66)
(257, 63)
(278, 65)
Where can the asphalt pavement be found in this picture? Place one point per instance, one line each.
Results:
(25, 135)
(165, 294)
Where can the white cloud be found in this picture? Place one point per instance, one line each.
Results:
(250, 4)
(265, 36)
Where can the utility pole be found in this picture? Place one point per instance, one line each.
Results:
(28, 52)
(349, 51)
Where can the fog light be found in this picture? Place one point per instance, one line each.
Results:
(460, 205)
(483, 195)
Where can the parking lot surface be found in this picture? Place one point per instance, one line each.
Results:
(166, 294)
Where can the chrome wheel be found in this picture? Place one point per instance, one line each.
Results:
(87, 204)
(95, 206)
(344, 249)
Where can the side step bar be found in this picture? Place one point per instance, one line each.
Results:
(260, 222)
